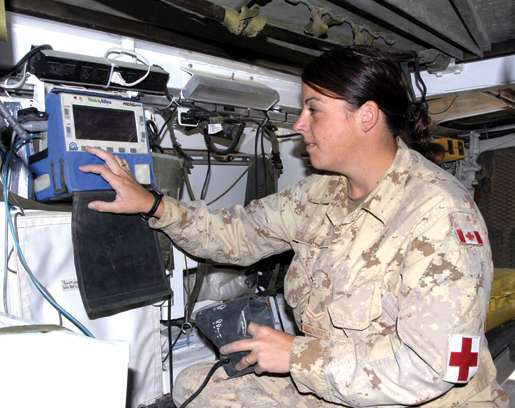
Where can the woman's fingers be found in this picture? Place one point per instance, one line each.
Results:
(105, 206)
(131, 197)
(247, 361)
(102, 170)
(238, 345)
(122, 163)
(115, 164)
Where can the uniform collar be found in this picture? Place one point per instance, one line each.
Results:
(381, 202)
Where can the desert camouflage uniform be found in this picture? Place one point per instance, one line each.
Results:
(377, 289)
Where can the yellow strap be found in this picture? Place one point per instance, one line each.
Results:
(247, 23)
(317, 26)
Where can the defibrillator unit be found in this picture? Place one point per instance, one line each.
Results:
(77, 119)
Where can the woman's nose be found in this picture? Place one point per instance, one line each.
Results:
(300, 123)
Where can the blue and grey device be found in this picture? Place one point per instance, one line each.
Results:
(78, 119)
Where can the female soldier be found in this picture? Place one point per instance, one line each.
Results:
(392, 269)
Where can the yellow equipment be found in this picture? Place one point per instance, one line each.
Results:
(454, 148)
(501, 308)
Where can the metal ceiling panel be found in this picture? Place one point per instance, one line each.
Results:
(438, 16)
(498, 17)
(473, 23)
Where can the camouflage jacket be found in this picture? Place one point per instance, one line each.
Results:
(378, 289)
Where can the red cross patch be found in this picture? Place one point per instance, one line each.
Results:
(463, 358)
(468, 237)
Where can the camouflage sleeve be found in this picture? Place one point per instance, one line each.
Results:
(235, 235)
(444, 291)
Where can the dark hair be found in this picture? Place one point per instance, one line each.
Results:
(358, 74)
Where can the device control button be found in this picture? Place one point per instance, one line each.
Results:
(73, 146)
(110, 149)
(141, 120)
(121, 149)
(67, 113)
(142, 173)
(133, 150)
(68, 131)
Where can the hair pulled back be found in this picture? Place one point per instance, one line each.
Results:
(358, 74)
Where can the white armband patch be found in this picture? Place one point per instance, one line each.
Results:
(462, 358)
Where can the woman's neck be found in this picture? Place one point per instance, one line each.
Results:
(373, 166)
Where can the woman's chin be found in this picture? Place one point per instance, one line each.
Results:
(316, 164)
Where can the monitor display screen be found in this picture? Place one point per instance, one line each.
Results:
(113, 125)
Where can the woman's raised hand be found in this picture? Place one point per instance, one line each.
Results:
(131, 197)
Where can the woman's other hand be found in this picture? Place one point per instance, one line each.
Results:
(269, 349)
(131, 197)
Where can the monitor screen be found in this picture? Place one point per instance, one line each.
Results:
(113, 125)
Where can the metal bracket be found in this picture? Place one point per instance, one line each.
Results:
(452, 68)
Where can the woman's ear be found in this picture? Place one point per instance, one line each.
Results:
(368, 115)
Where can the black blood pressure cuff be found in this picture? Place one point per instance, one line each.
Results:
(227, 322)
(117, 258)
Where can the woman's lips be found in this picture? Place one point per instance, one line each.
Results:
(309, 146)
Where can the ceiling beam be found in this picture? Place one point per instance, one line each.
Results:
(396, 23)
(473, 23)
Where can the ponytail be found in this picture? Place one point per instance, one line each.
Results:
(417, 123)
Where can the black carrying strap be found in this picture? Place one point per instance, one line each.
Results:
(117, 258)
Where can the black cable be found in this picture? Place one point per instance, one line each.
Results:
(419, 82)
(214, 200)
(152, 132)
(25, 58)
(210, 373)
(173, 344)
(152, 129)
(205, 186)
(275, 153)
(259, 133)
(263, 158)
(187, 183)
(176, 145)
(153, 140)
(235, 134)
(163, 127)
(154, 147)
(267, 125)
(202, 270)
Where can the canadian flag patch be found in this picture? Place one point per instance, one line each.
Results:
(468, 237)
(462, 358)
